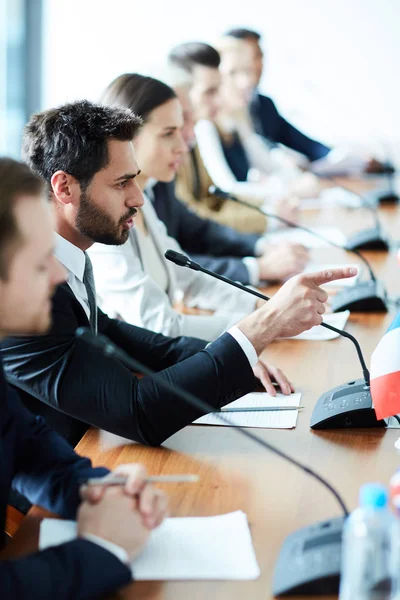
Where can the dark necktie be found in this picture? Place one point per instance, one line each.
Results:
(88, 281)
(196, 175)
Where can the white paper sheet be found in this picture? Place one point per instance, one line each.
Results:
(183, 548)
(339, 161)
(308, 240)
(277, 419)
(319, 333)
(348, 282)
(334, 196)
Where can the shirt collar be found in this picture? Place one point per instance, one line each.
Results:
(149, 188)
(72, 257)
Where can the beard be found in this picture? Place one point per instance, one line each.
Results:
(95, 224)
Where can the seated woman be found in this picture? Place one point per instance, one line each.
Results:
(237, 159)
(134, 280)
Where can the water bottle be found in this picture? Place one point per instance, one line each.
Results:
(395, 549)
(366, 548)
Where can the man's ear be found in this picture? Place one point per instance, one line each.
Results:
(65, 187)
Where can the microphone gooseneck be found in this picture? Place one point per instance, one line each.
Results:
(364, 202)
(215, 191)
(109, 349)
(184, 261)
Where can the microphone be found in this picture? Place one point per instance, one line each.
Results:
(367, 239)
(389, 172)
(391, 196)
(364, 296)
(347, 405)
(313, 532)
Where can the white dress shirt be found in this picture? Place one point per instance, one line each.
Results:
(260, 157)
(73, 259)
(125, 287)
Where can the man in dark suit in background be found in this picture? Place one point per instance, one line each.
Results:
(112, 526)
(269, 123)
(84, 152)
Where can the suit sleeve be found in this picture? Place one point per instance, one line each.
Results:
(47, 471)
(288, 135)
(77, 570)
(233, 268)
(65, 373)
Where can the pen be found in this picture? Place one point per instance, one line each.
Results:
(259, 408)
(121, 479)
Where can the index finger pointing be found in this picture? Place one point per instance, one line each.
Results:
(330, 275)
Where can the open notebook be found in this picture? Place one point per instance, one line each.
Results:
(277, 419)
(183, 548)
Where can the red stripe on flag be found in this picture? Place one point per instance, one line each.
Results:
(385, 392)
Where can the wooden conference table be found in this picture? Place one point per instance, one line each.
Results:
(237, 474)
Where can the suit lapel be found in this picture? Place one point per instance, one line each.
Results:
(78, 309)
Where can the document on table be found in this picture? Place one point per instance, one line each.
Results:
(319, 334)
(276, 419)
(333, 196)
(347, 282)
(302, 237)
(183, 548)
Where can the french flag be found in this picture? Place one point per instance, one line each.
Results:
(385, 373)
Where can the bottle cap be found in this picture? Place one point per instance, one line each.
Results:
(373, 495)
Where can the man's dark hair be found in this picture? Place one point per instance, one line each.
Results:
(74, 138)
(188, 55)
(240, 33)
(139, 93)
(16, 180)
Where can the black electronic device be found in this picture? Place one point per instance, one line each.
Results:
(313, 553)
(368, 239)
(373, 238)
(345, 406)
(309, 561)
(364, 296)
(388, 196)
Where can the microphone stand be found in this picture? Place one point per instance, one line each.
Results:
(372, 238)
(364, 296)
(286, 581)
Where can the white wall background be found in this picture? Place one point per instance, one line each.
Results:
(332, 67)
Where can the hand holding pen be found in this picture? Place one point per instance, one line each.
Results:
(149, 501)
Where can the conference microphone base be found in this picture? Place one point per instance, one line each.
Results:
(346, 406)
(368, 239)
(309, 561)
(389, 198)
(382, 197)
(366, 296)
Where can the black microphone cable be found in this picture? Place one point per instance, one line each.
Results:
(111, 350)
(215, 191)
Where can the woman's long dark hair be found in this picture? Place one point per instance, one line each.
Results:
(140, 93)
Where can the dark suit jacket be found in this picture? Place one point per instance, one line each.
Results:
(216, 247)
(270, 124)
(42, 466)
(58, 372)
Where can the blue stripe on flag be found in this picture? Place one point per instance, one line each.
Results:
(395, 323)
